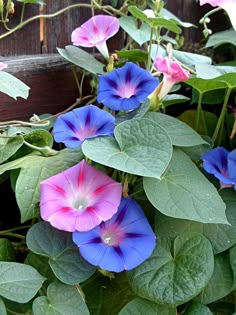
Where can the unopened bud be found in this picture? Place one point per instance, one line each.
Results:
(207, 20)
(11, 7)
(1, 6)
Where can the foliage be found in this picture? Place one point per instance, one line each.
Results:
(124, 208)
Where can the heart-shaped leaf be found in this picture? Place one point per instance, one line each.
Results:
(64, 257)
(141, 147)
(185, 193)
(19, 282)
(140, 306)
(12, 86)
(175, 278)
(61, 299)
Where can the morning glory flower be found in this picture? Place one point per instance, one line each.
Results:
(95, 32)
(125, 88)
(121, 243)
(172, 71)
(82, 123)
(222, 164)
(228, 5)
(79, 198)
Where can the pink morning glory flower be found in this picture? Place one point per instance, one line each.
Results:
(222, 164)
(79, 198)
(3, 65)
(172, 71)
(121, 243)
(82, 123)
(95, 32)
(228, 5)
(125, 88)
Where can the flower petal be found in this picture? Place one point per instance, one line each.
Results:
(82, 123)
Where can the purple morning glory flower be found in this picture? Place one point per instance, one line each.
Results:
(222, 164)
(82, 123)
(79, 198)
(95, 32)
(121, 243)
(125, 88)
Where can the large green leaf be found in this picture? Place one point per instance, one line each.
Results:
(34, 169)
(185, 193)
(221, 236)
(141, 147)
(7, 251)
(64, 257)
(19, 282)
(219, 38)
(111, 293)
(232, 255)
(10, 147)
(180, 133)
(130, 25)
(12, 86)
(82, 59)
(140, 306)
(221, 282)
(197, 309)
(61, 299)
(175, 278)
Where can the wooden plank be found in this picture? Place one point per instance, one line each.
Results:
(24, 41)
(52, 84)
(58, 29)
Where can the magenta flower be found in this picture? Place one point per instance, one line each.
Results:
(3, 65)
(121, 243)
(79, 198)
(82, 123)
(125, 88)
(172, 73)
(222, 164)
(95, 32)
(228, 5)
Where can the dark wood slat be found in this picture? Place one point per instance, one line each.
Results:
(52, 84)
(24, 41)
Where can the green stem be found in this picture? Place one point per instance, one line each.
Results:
(76, 79)
(22, 13)
(16, 235)
(199, 109)
(48, 16)
(222, 114)
(45, 151)
(15, 229)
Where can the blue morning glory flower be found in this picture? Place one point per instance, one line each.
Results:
(82, 123)
(120, 243)
(125, 88)
(222, 164)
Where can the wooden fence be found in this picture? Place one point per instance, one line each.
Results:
(32, 57)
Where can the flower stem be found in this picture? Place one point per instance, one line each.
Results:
(222, 114)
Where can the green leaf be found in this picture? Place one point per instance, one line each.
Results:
(180, 133)
(154, 22)
(7, 252)
(110, 293)
(221, 282)
(171, 99)
(10, 147)
(185, 193)
(82, 59)
(141, 147)
(19, 282)
(219, 38)
(12, 86)
(205, 85)
(175, 278)
(32, 1)
(61, 299)
(140, 34)
(136, 113)
(14, 308)
(34, 169)
(3, 310)
(134, 55)
(232, 253)
(64, 257)
(141, 306)
(198, 309)
(221, 236)
(168, 15)
(39, 138)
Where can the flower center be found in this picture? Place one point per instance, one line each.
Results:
(112, 235)
(126, 91)
(80, 204)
